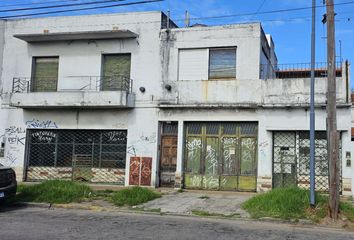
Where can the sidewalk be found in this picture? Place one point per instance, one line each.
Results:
(202, 202)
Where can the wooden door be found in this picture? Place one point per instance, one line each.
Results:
(168, 160)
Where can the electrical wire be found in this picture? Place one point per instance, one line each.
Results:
(195, 18)
(37, 3)
(79, 9)
(60, 6)
(259, 8)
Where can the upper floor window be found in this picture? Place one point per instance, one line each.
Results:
(222, 63)
(116, 72)
(207, 63)
(45, 74)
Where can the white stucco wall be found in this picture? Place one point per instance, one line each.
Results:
(276, 104)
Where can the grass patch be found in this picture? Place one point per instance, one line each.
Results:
(286, 203)
(134, 196)
(204, 197)
(347, 209)
(54, 191)
(103, 194)
(202, 213)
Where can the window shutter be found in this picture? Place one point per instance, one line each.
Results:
(45, 75)
(116, 72)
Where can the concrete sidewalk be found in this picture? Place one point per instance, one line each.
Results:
(204, 202)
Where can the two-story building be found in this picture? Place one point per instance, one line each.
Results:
(133, 99)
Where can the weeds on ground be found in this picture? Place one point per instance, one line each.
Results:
(286, 203)
(103, 194)
(133, 196)
(54, 191)
(203, 213)
(347, 209)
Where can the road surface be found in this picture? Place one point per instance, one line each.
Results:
(51, 224)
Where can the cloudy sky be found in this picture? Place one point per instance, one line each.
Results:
(290, 29)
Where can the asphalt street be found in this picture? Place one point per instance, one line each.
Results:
(50, 224)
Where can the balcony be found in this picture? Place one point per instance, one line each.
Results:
(72, 92)
(296, 70)
(285, 86)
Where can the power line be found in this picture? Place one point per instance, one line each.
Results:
(79, 9)
(259, 8)
(267, 12)
(178, 20)
(37, 3)
(60, 6)
(196, 18)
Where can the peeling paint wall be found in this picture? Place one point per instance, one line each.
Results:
(275, 104)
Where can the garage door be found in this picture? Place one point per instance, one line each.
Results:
(221, 156)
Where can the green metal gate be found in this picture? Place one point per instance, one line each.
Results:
(221, 156)
(291, 159)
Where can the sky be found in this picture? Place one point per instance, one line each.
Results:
(291, 30)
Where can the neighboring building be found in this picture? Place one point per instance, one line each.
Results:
(133, 99)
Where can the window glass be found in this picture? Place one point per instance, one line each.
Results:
(222, 63)
(116, 72)
(45, 74)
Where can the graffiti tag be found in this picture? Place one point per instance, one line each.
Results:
(35, 123)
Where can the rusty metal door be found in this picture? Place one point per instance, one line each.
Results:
(140, 171)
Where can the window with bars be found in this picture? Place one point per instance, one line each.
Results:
(64, 148)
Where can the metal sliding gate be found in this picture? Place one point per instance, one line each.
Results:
(81, 155)
(221, 156)
(291, 160)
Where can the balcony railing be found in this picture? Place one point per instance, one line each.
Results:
(72, 83)
(296, 70)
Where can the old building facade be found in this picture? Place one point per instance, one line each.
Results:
(132, 99)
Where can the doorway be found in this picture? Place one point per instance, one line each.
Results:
(168, 153)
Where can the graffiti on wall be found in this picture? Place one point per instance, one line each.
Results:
(263, 146)
(35, 123)
(142, 145)
(14, 138)
(15, 135)
(140, 171)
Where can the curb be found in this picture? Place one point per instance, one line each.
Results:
(296, 223)
(31, 205)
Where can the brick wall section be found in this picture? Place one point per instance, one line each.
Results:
(264, 183)
(347, 187)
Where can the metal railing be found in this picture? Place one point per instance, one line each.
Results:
(76, 83)
(296, 70)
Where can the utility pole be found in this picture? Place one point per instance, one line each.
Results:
(332, 134)
(312, 109)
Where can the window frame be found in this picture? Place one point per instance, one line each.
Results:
(209, 61)
(33, 71)
(103, 55)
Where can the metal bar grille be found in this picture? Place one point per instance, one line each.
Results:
(221, 155)
(291, 160)
(82, 155)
